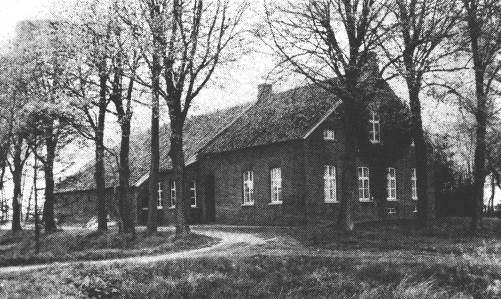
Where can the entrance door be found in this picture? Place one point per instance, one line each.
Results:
(210, 197)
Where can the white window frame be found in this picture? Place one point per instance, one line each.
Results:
(248, 188)
(193, 194)
(173, 194)
(329, 134)
(276, 185)
(160, 200)
(364, 193)
(414, 194)
(330, 185)
(375, 128)
(391, 211)
(391, 184)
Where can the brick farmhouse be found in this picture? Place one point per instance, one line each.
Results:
(276, 161)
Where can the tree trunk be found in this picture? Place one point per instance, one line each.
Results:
(493, 194)
(177, 155)
(479, 166)
(99, 174)
(48, 209)
(423, 213)
(124, 198)
(17, 180)
(349, 177)
(155, 150)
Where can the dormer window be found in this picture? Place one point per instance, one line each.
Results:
(329, 134)
(375, 128)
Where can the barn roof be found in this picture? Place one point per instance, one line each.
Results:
(279, 117)
(199, 130)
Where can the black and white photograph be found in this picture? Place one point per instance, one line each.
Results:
(250, 149)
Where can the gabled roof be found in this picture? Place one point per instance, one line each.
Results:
(199, 130)
(283, 116)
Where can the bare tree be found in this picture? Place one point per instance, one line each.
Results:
(482, 19)
(416, 46)
(324, 39)
(185, 42)
(125, 66)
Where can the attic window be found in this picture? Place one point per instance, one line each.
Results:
(375, 128)
(329, 134)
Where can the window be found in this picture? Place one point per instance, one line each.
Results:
(414, 184)
(329, 134)
(391, 211)
(375, 128)
(193, 194)
(160, 200)
(391, 184)
(276, 185)
(330, 183)
(172, 194)
(363, 184)
(248, 187)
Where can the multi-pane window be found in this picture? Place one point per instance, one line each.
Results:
(248, 187)
(276, 185)
(172, 193)
(391, 184)
(391, 211)
(375, 128)
(160, 199)
(193, 194)
(329, 134)
(330, 183)
(414, 183)
(363, 184)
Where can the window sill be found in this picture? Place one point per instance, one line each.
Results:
(160, 207)
(392, 199)
(145, 209)
(366, 200)
(193, 206)
(414, 199)
(331, 201)
(172, 207)
(275, 203)
(247, 204)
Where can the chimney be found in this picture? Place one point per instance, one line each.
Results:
(264, 91)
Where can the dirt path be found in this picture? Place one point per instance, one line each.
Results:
(230, 241)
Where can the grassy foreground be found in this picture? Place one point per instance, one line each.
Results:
(19, 248)
(261, 277)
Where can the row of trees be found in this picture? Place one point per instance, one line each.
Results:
(62, 79)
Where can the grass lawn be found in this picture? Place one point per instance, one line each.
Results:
(449, 236)
(464, 265)
(260, 277)
(70, 245)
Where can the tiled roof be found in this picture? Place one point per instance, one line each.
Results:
(280, 117)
